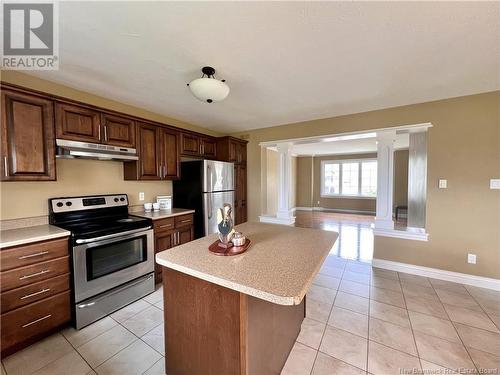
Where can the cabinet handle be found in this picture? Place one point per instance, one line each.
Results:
(35, 294)
(5, 167)
(186, 221)
(164, 170)
(33, 255)
(84, 305)
(36, 321)
(165, 226)
(99, 131)
(178, 238)
(105, 133)
(34, 274)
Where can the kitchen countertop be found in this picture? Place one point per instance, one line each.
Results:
(279, 266)
(162, 214)
(22, 236)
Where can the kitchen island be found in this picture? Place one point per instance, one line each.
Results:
(239, 314)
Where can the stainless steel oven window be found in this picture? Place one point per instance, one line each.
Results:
(106, 259)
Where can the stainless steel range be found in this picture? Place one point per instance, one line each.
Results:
(112, 253)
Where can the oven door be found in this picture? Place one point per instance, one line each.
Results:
(102, 263)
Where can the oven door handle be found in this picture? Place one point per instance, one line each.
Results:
(116, 235)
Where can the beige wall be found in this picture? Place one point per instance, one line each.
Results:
(304, 181)
(272, 182)
(400, 197)
(80, 177)
(75, 177)
(310, 183)
(464, 147)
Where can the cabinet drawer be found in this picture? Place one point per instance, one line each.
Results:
(164, 225)
(34, 320)
(34, 292)
(37, 272)
(34, 253)
(183, 220)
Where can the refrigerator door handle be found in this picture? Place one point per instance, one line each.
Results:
(209, 205)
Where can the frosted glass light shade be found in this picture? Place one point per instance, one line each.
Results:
(209, 89)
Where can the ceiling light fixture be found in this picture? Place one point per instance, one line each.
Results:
(209, 89)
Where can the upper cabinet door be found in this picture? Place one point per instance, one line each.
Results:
(208, 148)
(242, 152)
(149, 150)
(118, 131)
(170, 153)
(190, 144)
(77, 123)
(28, 147)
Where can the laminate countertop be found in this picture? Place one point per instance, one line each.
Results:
(279, 266)
(161, 214)
(22, 236)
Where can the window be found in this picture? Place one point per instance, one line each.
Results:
(349, 178)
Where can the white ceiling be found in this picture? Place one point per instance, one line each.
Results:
(350, 146)
(284, 61)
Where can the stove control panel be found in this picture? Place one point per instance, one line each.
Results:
(86, 203)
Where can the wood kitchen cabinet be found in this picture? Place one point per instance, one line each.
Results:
(170, 154)
(28, 145)
(85, 124)
(157, 148)
(171, 232)
(118, 130)
(35, 294)
(240, 198)
(234, 150)
(199, 146)
(77, 123)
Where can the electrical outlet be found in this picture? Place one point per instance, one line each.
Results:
(495, 183)
(141, 196)
(443, 184)
(471, 258)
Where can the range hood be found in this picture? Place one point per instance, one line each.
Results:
(83, 150)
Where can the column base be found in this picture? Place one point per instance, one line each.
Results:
(384, 224)
(277, 220)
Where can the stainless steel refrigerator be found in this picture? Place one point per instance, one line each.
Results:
(204, 186)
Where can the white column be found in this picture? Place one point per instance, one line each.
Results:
(284, 181)
(385, 179)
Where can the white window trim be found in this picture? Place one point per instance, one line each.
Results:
(340, 195)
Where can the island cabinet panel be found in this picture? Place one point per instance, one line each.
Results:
(77, 123)
(27, 132)
(118, 130)
(210, 329)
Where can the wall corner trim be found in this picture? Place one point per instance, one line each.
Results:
(436, 273)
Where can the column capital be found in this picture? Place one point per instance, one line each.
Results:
(284, 147)
(386, 136)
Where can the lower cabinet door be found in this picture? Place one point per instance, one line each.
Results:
(185, 235)
(163, 241)
(31, 322)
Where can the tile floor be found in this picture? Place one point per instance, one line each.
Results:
(129, 341)
(363, 320)
(359, 320)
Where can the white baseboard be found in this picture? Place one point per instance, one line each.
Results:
(343, 211)
(303, 208)
(276, 220)
(436, 273)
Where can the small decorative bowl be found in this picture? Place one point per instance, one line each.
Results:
(238, 239)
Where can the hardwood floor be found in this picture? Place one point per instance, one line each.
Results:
(355, 233)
